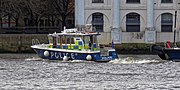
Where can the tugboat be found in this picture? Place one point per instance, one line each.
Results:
(168, 52)
(74, 44)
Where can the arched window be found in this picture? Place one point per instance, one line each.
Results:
(166, 22)
(133, 22)
(97, 21)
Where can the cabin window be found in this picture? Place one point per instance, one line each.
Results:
(133, 22)
(94, 44)
(63, 39)
(54, 41)
(166, 22)
(50, 39)
(70, 40)
(57, 40)
(95, 39)
(86, 42)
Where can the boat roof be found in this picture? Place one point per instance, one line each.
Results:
(74, 32)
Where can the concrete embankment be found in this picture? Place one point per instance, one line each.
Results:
(133, 48)
(20, 43)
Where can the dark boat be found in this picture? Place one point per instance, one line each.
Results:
(167, 52)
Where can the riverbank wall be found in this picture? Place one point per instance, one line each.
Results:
(20, 43)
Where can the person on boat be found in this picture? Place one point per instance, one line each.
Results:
(168, 44)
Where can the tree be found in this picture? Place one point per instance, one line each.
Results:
(6, 11)
(12, 10)
(15, 10)
(64, 8)
(34, 11)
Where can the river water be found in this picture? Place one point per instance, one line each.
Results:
(129, 72)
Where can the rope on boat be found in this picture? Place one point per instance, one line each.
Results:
(35, 42)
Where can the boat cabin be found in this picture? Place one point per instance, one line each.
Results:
(74, 41)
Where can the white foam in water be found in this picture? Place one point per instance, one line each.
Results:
(128, 60)
(33, 59)
(131, 60)
(76, 61)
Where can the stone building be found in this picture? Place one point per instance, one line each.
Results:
(130, 21)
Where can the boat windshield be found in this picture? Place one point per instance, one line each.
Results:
(74, 42)
(50, 39)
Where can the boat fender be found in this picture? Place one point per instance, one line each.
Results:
(88, 57)
(65, 58)
(46, 53)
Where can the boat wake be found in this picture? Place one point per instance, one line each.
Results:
(131, 60)
(76, 61)
(34, 59)
(127, 60)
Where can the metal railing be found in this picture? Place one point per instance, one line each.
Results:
(29, 30)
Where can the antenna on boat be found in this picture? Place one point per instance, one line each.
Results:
(113, 46)
(175, 29)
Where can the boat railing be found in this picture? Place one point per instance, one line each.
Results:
(44, 45)
(35, 42)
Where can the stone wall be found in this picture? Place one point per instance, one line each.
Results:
(19, 42)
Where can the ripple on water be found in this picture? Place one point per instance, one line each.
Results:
(29, 72)
(33, 59)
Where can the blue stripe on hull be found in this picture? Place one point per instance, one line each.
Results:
(58, 55)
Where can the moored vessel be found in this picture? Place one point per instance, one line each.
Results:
(168, 52)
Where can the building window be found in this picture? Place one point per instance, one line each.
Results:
(98, 22)
(166, 22)
(97, 1)
(166, 1)
(133, 22)
(132, 1)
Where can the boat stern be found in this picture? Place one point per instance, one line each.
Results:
(113, 53)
